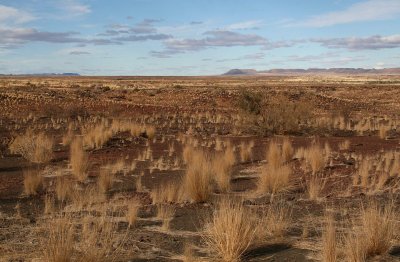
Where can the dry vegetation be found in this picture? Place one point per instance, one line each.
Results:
(200, 169)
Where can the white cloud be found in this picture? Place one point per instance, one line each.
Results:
(361, 43)
(11, 15)
(370, 10)
(75, 7)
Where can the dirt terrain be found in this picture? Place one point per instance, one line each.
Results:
(118, 142)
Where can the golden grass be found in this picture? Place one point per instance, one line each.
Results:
(315, 156)
(132, 211)
(37, 148)
(275, 175)
(33, 181)
(166, 214)
(329, 241)
(197, 179)
(230, 231)
(78, 160)
(378, 227)
(315, 185)
(374, 234)
(170, 192)
(63, 188)
(287, 149)
(60, 241)
(344, 145)
(273, 180)
(105, 180)
(274, 223)
(221, 167)
(354, 250)
(274, 155)
(98, 239)
(246, 151)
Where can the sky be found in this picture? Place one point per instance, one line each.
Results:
(195, 37)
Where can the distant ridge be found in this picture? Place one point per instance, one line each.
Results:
(241, 72)
(312, 71)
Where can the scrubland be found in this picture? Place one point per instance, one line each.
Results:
(200, 168)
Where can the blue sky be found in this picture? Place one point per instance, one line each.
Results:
(195, 37)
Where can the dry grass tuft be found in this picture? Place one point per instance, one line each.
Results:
(378, 227)
(32, 181)
(246, 151)
(315, 186)
(287, 149)
(230, 231)
(374, 234)
(197, 179)
(166, 214)
(345, 145)
(274, 180)
(274, 155)
(132, 212)
(274, 222)
(60, 241)
(63, 188)
(37, 148)
(275, 176)
(105, 180)
(315, 156)
(222, 168)
(78, 160)
(188, 254)
(354, 249)
(329, 241)
(170, 192)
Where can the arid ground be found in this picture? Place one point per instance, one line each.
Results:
(254, 168)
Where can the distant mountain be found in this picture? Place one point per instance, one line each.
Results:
(314, 71)
(241, 72)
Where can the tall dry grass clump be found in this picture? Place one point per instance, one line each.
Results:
(378, 227)
(36, 148)
(222, 168)
(98, 239)
(373, 235)
(246, 151)
(170, 192)
(274, 223)
(32, 181)
(230, 231)
(316, 158)
(63, 188)
(105, 180)
(166, 214)
(197, 179)
(354, 250)
(274, 155)
(315, 185)
(60, 241)
(275, 176)
(287, 149)
(329, 241)
(78, 159)
(274, 180)
(132, 211)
